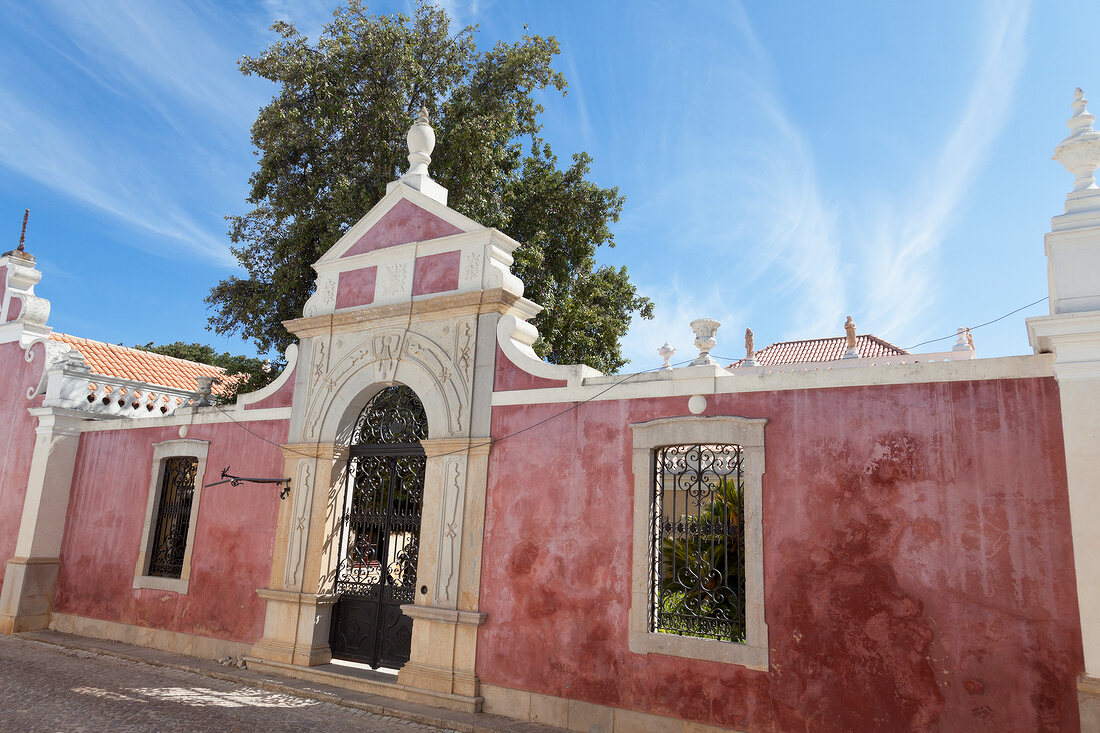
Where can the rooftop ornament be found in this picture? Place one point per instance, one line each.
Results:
(666, 352)
(850, 337)
(1079, 153)
(750, 351)
(421, 142)
(705, 329)
(205, 389)
(19, 251)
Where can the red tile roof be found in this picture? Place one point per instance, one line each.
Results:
(122, 362)
(826, 349)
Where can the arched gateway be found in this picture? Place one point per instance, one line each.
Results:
(377, 556)
(380, 530)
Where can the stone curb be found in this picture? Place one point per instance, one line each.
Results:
(437, 718)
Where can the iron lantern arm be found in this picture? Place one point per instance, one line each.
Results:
(228, 478)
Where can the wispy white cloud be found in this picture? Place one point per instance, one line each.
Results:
(905, 239)
(739, 194)
(110, 180)
(148, 109)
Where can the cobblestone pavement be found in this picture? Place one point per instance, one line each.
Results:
(48, 688)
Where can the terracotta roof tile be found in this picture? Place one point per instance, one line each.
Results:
(111, 360)
(826, 349)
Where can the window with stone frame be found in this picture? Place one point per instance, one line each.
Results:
(697, 579)
(177, 492)
(175, 486)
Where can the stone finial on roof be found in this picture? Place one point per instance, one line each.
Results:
(666, 352)
(23, 234)
(750, 350)
(850, 337)
(1079, 152)
(421, 142)
(705, 329)
(19, 251)
(963, 340)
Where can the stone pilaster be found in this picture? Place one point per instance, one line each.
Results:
(1072, 333)
(26, 599)
(299, 606)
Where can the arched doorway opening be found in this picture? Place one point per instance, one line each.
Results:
(380, 530)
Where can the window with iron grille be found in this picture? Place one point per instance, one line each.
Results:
(171, 512)
(173, 520)
(697, 571)
(699, 542)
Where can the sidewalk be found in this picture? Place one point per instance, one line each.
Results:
(412, 712)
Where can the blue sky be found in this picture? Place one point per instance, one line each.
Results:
(785, 165)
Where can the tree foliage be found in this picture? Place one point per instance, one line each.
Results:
(244, 374)
(334, 135)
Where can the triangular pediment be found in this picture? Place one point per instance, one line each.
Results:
(402, 216)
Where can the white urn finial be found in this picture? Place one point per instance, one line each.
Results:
(1079, 153)
(421, 141)
(705, 329)
(666, 352)
(205, 389)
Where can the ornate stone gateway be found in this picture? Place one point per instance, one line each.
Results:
(380, 531)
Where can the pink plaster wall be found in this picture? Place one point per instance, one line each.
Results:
(283, 397)
(356, 287)
(405, 222)
(16, 439)
(15, 307)
(917, 557)
(233, 540)
(507, 376)
(436, 273)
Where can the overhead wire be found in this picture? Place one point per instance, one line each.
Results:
(569, 409)
(974, 328)
(602, 392)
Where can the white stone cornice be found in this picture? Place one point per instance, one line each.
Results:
(1073, 338)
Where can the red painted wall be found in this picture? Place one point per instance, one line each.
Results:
(356, 287)
(436, 273)
(405, 222)
(16, 439)
(233, 539)
(507, 376)
(918, 566)
(283, 397)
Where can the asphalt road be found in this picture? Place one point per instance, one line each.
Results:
(49, 688)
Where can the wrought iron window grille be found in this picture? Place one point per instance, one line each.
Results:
(177, 490)
(698, 542)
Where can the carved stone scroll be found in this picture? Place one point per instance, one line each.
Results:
(299, 525)
(450, 529)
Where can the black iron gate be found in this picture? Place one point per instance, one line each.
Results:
(380, 531)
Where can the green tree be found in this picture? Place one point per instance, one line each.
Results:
(244, 373)
(334, 135)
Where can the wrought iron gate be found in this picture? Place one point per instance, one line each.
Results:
(380, 531)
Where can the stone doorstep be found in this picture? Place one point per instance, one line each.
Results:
(348, 694)
(369, 682)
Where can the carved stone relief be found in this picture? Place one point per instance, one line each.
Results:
(299, 523)
(396, 275)
(450, 529)
(471, 269)
(383, 352)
